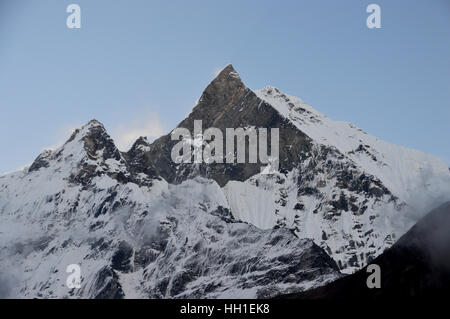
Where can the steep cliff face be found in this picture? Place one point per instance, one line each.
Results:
(228, 103)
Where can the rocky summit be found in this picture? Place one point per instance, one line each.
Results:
(140, 225)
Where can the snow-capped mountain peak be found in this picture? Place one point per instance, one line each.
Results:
(141, 225)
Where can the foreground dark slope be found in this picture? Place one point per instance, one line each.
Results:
(418, 265)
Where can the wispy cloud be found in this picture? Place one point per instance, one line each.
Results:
(147, 124)
(62, 135)
(124, 134)
(217, 71)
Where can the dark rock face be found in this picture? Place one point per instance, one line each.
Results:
(418, 265)
(98, 140)
(228, 103)
(139, 162)
(41, 161)
(99, 148)
(108, 286)
(224, 214)
(121, 260)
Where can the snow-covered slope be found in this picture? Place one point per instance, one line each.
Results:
(413, 176)
(136, 236)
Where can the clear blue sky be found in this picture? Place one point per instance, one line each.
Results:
(139, 66)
